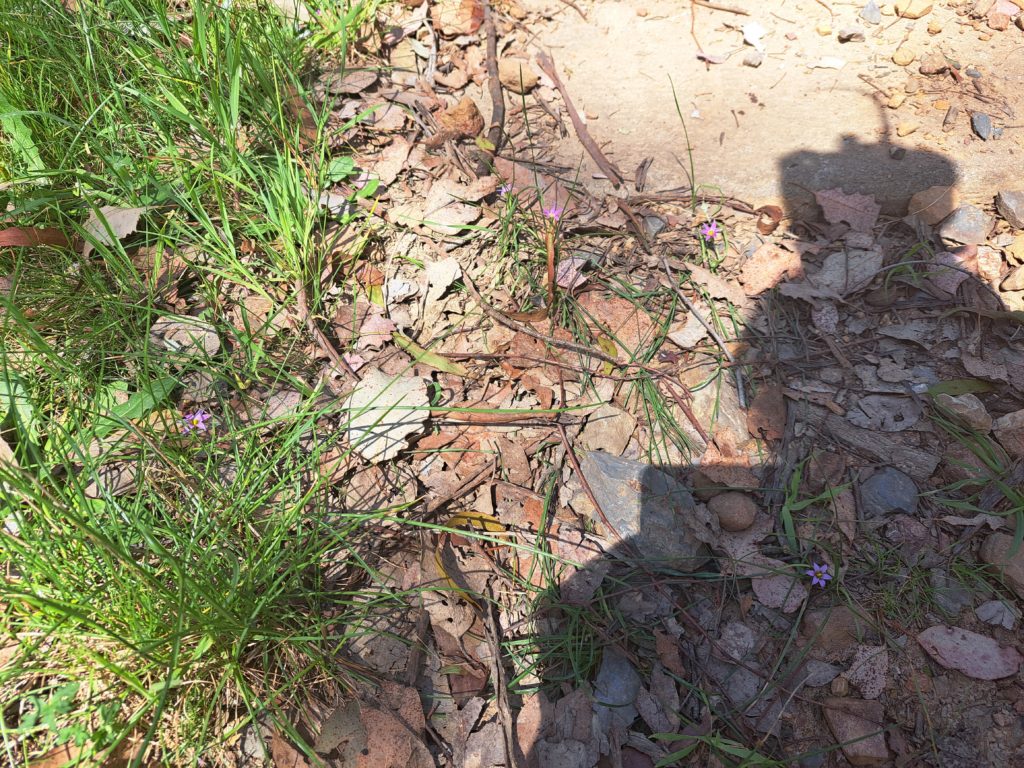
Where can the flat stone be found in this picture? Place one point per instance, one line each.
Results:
(999, 613)
(833, 630)
(998, 21)
(912, 9)
(1009, 431)
(615, 689)
(857, 726)
(934, 204)
(818, 673)
(995, 551)
(934, 27)
(887, 490)
(982, 125)
(933, 64)
(1011, 207)
(1014, 281)
(903, 56)
(906, 128)
(948, 593)
(969, 411)
(608, 429)
(736, 511)
(753, 59)
(967, 224)
(737, 640)
(517, 75)
(871, 13)
(651, 511)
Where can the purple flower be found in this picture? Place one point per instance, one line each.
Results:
(504, 189)
(553, 212)
(819, 575)
(195, 421)
(709, 231)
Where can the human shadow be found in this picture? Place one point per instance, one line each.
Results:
(656, 563)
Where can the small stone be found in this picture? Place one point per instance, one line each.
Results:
(949, 121)
(824, 29)
(887, 491)
(968, 410)
(934, 204)
(1009, 431)
(517, 75)
(608, 429)
(1014, 281)
(982, 125)
(934, 27)
(906, 128)
(995, 551)
(753, 59)
(912, 86)
(897, 153)
(1011, 208)
(972, 72)
(737, 640)
(833, 630)
(896, 100)
(998, 612)
(968, 225)
(736, 511)
(903, 56)
(818, 673)
(940, 104)
(851, 35)
(998, 21)
(858, 727)
(933, 64)
(948, 593)
(840, 687)
(912, 9)
(871, 13)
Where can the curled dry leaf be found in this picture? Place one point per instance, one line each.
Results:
(109, 224)
(768, 218)
(457, 17)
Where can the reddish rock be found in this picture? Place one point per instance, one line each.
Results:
(857, 726)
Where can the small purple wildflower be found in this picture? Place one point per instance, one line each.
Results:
(553, 212)
(709, 230)
(504, 189)
(819, 575)
(195, 421)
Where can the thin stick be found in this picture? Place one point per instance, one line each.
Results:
(726, 8)
(607, 167)
(496, 132)
(549, 241)
(321, 338)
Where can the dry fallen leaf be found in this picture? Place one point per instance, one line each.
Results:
(457, 17)
(109, 224)
(859, 211)
(768, 265)
(887, 413)
(384, 412)
(375, 331)
(767, 415)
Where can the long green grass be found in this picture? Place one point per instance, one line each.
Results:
(171, 609)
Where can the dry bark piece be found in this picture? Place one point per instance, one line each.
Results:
(768, 266)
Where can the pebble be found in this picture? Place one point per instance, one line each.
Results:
(871, 13)
(840, 686)
(517, 75)
(753, 59)
(1011, 208)
(851, 35)
(933, 64)
(968, 410)
(934, 204)
(995, 551)
(982, 125)
(968, 225)
(736, 511)
(912, 9)
(858, 727)
(998, 21)
(934, 27)
(1009, 431)
(906, 128)
(824, 29)
(972, 72)
(1014, 281)
(887, 491)
(903, 56)
(896, 100)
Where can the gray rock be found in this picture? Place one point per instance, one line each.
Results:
(998, 612)
(871, 13)
(615, 690)
(1011, 207)
(737, 639)
(819, 673)
(967, 224)
(982, 125)
(655, 514)
(948, 593)
(886, 491)
(653, 225)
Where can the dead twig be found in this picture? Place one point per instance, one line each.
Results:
(726, 8)
(495, 133)
(607, 167)
(321, 338)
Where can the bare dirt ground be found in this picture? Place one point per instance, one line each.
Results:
(715, 401)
